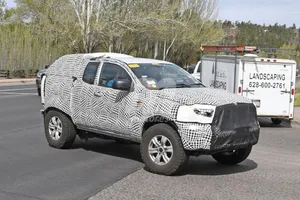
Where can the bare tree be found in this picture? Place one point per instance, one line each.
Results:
(2, 9)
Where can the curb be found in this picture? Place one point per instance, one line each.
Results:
(17, 80)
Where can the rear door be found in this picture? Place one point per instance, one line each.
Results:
(82, 91)
(268, 84)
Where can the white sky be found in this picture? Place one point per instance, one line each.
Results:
(261, 11)
(257, 11)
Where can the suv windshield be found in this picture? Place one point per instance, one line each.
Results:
(163, 75)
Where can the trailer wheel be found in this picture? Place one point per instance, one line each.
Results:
(233, 157)
(276, 121)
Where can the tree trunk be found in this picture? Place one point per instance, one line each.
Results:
(156, 49)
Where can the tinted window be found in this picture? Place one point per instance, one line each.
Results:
(110, 72)
(90, 72)
(163, 75)
(191, 69)
(199, 68)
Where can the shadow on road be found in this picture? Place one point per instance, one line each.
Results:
(267, 123)
(109, 147)
(211, 167)
(196, 166)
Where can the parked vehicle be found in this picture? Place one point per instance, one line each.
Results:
(268, 82)
(194, 70)
(39, 77)
(153, 103)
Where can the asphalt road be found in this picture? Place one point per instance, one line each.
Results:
(271, 172)
(30, 169)
(298, 80)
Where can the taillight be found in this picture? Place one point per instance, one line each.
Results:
(240, 89)
(293, 91)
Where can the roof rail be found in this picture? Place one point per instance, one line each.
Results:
(222, 48)
(107, 55)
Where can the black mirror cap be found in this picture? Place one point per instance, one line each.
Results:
(122, 84)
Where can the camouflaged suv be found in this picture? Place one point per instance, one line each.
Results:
(153, 103)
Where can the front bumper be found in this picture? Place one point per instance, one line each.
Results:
(233, 127)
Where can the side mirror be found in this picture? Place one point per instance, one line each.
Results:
(122, 84)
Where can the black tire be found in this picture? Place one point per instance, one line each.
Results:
(236, 157)
(68, 134)
(276, 121)
(39, 91)
(179, 157)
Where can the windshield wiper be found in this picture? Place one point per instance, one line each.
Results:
(183, 85)
(198, 84)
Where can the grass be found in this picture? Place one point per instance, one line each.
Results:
(297, 97)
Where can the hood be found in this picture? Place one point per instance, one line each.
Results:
(208, 96)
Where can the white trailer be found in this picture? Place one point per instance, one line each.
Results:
(269, 82)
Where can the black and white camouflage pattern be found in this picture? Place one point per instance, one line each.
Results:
(118, 111)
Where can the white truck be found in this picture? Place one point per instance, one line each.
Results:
(195, 70)
(269, 82)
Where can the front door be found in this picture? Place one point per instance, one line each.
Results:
(110, 110)
(269, 86)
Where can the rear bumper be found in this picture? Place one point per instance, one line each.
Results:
(233, 127)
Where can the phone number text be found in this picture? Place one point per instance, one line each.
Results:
(266, 85)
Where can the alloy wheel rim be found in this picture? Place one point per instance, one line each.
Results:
(55, 128)
(160, 150)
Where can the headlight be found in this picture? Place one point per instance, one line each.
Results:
(196, 113)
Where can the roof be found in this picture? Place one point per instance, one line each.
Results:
(248, 57)
(133, 60)
(107, 54)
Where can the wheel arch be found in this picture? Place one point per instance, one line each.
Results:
(158, 119)
(58, 110)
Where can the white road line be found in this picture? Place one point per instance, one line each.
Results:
(17, 93)
(15, 96)
(10, 90)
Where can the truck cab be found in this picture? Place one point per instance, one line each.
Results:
(195, 69)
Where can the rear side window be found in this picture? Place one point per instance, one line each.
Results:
(90, 72)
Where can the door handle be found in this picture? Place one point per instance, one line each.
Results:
(97, 94)
(74, 78)
(285, 91)
(249, 91)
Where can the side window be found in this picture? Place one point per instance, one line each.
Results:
(199, 68)
(110, 72)
(90, 72)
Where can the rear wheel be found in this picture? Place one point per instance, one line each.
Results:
(276, 121)
(233, 157)
(39, 91)
(162, 150)
(59, 129)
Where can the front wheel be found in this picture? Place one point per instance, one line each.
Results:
(162, 150)
(233, 157)
(276, 121)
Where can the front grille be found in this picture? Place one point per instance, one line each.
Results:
(234, 116)
(234, 125)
